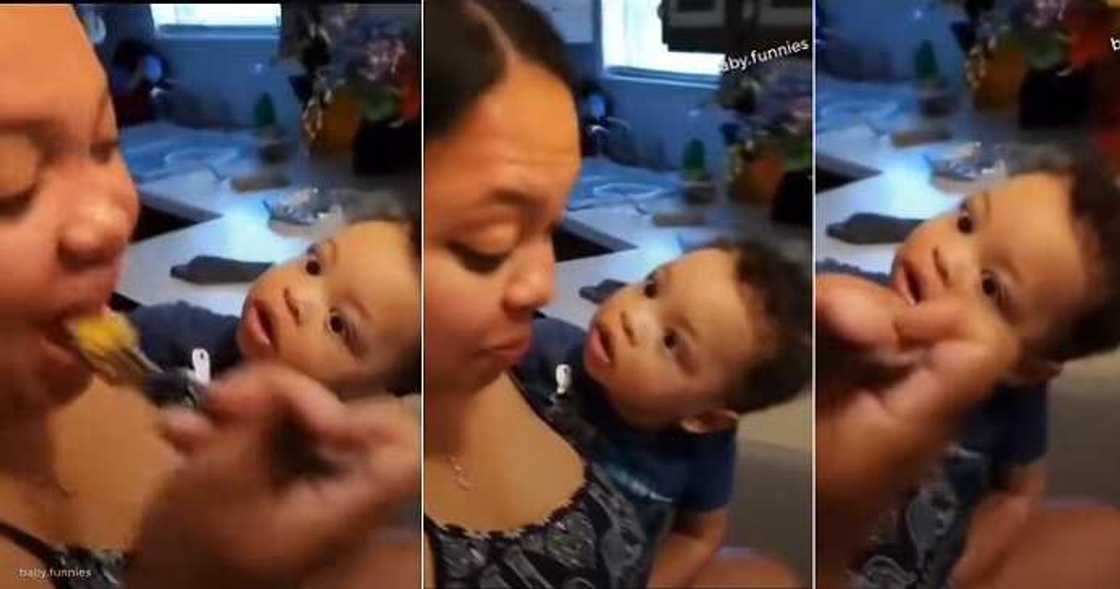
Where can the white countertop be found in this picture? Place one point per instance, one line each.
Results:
(228, 224)
(898, 180)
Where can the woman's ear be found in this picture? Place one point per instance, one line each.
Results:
(710, 421)
(1032, 370)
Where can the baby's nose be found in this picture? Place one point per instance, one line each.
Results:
(296, 306)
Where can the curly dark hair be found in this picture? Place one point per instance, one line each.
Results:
(1095, 202)
(785, 293)
(371, 208)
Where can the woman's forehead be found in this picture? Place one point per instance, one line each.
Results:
(59, 86)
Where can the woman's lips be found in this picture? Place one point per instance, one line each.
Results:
(259, 327)
(512, 350)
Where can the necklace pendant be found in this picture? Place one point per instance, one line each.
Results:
(461, 479)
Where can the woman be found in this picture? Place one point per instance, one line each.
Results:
(81, 466)
(502, 481)
(501, 154)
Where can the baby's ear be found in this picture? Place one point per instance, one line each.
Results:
(1032, 370)
(710, 421)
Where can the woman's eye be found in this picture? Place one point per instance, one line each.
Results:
(16, 204)
(670, 339)
(478, 262)
(989, 284)
(649, 288)
(312, 266)
(103, 152)
(964, 222)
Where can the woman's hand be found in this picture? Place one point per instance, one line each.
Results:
(236, 515)
(876, 436)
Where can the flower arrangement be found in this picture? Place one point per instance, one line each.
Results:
(352, 51)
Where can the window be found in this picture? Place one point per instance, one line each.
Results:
(632, 41)
(193, 16)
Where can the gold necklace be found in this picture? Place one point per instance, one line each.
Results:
(461, 478)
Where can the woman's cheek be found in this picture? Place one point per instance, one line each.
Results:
(27, 286)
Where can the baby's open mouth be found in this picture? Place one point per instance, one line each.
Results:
(261, 326)
(601, 345)
(908, 283)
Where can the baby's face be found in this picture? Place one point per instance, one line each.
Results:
(670, 347)
(1017, 246)
(347, 313)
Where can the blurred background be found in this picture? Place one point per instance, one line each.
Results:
(249, 129)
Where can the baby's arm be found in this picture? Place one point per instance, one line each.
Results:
(694, 538)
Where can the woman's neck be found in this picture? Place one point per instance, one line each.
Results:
(452, 419)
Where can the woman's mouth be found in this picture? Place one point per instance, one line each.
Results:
(513, 350)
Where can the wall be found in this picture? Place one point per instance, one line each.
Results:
(664, 115)
(223, 76)
(897, 29)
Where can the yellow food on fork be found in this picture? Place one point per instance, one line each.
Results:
(109, 342)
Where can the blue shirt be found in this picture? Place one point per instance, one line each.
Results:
(660, 472)
(169, 333)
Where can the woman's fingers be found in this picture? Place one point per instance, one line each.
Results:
(857, 312)
(185, 429)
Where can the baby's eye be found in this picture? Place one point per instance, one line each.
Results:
(312, 265)
(337, 323)
(670, 339)
(649, 287)
(989, 284)
(964, 221)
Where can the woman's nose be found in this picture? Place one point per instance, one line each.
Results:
(101, 207)
(531, 286)
(96, 232)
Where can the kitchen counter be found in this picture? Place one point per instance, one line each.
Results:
(890, 180)
(226, 223)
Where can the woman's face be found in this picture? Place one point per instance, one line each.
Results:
(67, 204)
(495, 188)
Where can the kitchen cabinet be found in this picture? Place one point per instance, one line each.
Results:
(573, 19)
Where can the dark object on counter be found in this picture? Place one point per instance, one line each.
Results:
(913, 137)
(602, 291)
(265, 180)
(216, 270)
(679, 219)
(793, 203)
(1051, 98)
(872, 228)
(381, 148)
